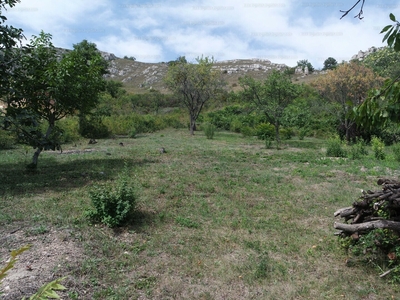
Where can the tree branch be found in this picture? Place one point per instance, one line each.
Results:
(382, 224)
(359, 15)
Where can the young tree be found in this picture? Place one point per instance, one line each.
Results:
(346, 87)
(194, 84)
(50, 87)
(270, 97)
(329, 64)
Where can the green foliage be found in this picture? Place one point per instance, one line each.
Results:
(335, 147)
(186, 222)
(286, 133)
(209, 130)
(194, 85)
(358, 149)
(113, 204)
(329, 64)
(396, 151)
(50, 88)
(47, 291)
(92, 126)
(7, 140)
(247, 131)
(378, 147)
(385, 62)
(265, 131)
(392, 35)
(70, 130)
(132, 132)
(11, 262)
(305, 63)
(270, 97)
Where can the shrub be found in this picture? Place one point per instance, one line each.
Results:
(396, 151)
(358, 149)
(335, 148)
(132, 132)
(209, 130)
(93, 127)
(265, 131)
(378, 147)
(286, 133)
(70, 130)
(236, 125)
(247, 131)
(112, 205)
(7, 140)
(302, 133)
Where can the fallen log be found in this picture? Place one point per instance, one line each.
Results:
(367, 226)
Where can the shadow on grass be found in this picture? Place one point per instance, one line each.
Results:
(57, 176)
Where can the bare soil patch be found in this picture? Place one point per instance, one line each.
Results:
(53, 254)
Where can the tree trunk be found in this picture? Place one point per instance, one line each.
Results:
(277, 136)
(192, 125)
(39, 149)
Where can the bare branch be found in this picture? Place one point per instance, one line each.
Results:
(359, 15)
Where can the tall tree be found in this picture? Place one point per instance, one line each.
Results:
(346, 87)
(270, 97)
(194, 84)
(50, 87)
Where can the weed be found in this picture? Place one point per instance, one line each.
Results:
(378, 147)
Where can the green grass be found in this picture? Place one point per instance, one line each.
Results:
(222, 218)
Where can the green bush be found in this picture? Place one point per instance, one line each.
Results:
(378, 147)
(247, 131)
(7, 140)
(209, 130)
(236, 125)
(93, 127)
(265, 131)
(132, 132)
(112, 205)
(286, 133)
(70, 130)
(358, 149)
(335, 148)
(302, 133)
(396, 151)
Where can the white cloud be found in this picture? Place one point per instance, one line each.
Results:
(283, 31)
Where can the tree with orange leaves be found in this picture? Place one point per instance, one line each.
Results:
(346, 87)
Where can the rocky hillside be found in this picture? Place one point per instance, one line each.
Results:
(138, 77)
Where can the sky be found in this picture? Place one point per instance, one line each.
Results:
(159, 31)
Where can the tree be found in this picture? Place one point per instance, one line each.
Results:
(270, 97)
(49, 88)
(10, 38)
(194, 84)
(346, 87)
(305, 63)
(329, 64)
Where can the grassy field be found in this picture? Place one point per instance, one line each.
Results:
(217, 219)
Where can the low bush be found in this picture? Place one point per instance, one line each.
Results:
(378, 147)
(113, 205)
(396, 151)
(209, 130)
(335, 148)
(7, 139)
(265, 131)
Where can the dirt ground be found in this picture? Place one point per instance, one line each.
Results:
(53, 254)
